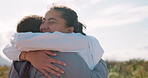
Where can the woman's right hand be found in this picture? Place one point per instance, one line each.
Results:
(43, 62)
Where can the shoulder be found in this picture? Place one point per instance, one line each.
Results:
(92, 38)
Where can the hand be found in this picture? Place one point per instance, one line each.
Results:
(41, 61)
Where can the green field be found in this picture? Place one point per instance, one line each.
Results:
(134, 68)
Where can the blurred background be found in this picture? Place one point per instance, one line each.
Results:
(121, 26)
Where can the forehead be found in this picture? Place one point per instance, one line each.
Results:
(53, 14)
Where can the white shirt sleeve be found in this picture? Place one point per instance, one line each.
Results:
(49, 41)
(96, 50)
(12, 52)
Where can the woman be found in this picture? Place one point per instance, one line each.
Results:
(64, 20)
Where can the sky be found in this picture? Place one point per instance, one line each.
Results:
(121, 26)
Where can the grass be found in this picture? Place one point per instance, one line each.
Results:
(135, 68)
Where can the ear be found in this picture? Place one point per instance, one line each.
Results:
(70, 29)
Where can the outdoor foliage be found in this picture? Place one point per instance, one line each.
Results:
(134, 68)
(4, 71)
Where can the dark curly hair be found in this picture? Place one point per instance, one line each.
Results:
(30, 24)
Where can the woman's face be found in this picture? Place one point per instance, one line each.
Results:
(53, 22)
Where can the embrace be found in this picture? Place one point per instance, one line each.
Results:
(54, 46)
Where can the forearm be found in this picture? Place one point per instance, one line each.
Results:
(23, 55)
(14, 54)
(59, 42)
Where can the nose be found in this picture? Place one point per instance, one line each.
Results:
(43, 27)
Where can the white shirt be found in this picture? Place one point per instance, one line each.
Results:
(86, 46)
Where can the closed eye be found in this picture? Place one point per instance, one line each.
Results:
(52, 22)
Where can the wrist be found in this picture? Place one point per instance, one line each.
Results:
(23, 55)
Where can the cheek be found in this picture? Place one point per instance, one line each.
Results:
(56, 29)
(41, 27)
(53, 28)
(61, 30)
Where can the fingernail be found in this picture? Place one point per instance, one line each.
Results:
(62, 72)
(54, 54)
(58, 74)
(64, 64)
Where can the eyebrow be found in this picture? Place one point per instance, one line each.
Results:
(50, 19)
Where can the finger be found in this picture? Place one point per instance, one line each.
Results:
(57, 62)
(50, 53)
(52, 71)
(53, 67)
(45, 73)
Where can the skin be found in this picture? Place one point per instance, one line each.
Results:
(52, 22)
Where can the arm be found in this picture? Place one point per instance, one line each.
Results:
(39, 59)
(50, 41)
(73, 40)
(44, 62)
(39, 41)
